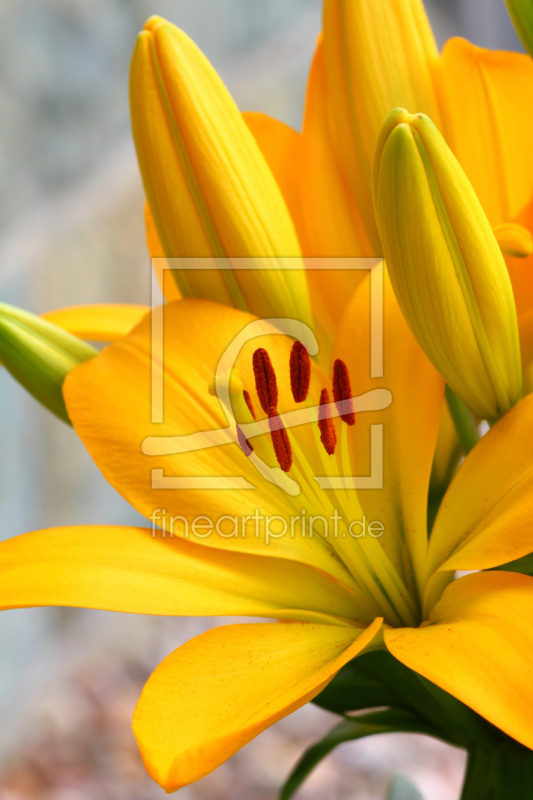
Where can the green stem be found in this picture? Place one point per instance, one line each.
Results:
(478, 783)
(463, 420)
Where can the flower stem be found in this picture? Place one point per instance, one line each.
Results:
(463, 420)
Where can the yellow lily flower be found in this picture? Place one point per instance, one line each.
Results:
(446, 266)
(209, 188)
(342, 592)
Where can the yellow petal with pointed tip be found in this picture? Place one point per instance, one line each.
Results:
(477, 646)
(380, 54)
(446, 268)
(101, 322)
(484, 519)
(215, 693)
(127, 569)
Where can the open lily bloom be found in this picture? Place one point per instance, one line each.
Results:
(277, 543)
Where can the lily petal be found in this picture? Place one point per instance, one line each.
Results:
(168, 286)
(127, 569)
(104, 322)
(281, 146)
(110, 407)
(331, 224)
(487, 107)
(380, 54)
(477, 646)
(485, 517)
(410, 426)
(257, 674)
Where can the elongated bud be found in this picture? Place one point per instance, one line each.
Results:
(209, 188)
(445, 265)
(39, 355)
(380, 54)
(521, 13)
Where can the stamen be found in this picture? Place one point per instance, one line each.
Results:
(328, 435)
(280, 440)
(265, 380)
(248, 401)
(342, 392)
(300, 368)
(245, 445)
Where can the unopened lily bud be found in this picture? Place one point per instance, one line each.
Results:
(210, 191)
(40, 355)
(521, 13)
(379, 54)
(446, 267)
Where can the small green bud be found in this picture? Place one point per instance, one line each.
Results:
(521, 13)
(39, 355)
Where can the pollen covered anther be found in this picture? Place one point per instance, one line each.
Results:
(300, 369)
(280, 440)
(342, 392)
(328, 435)
(244, 444)
(248, 401)
(265, 380)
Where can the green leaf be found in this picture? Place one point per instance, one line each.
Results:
(512, 771)
(478, 783)
(402, 789)
(390, 720)
(378, 679)
(523, 565)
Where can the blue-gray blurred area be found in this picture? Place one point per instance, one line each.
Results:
(71, 232)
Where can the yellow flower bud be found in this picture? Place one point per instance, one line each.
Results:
(521, 12)
(209, 188)
(445, 265)
(40, 355)
(380, 54)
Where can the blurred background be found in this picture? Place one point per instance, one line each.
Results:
(71, 231)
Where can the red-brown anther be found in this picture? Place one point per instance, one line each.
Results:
(328, 435)
(245, 445)
(265, 380)
(300, 368)
(280, 440)
(342, 392)
(248, 401)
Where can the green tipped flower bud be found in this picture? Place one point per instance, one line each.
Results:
(39, 355)
(445, 265)
(521, 12)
